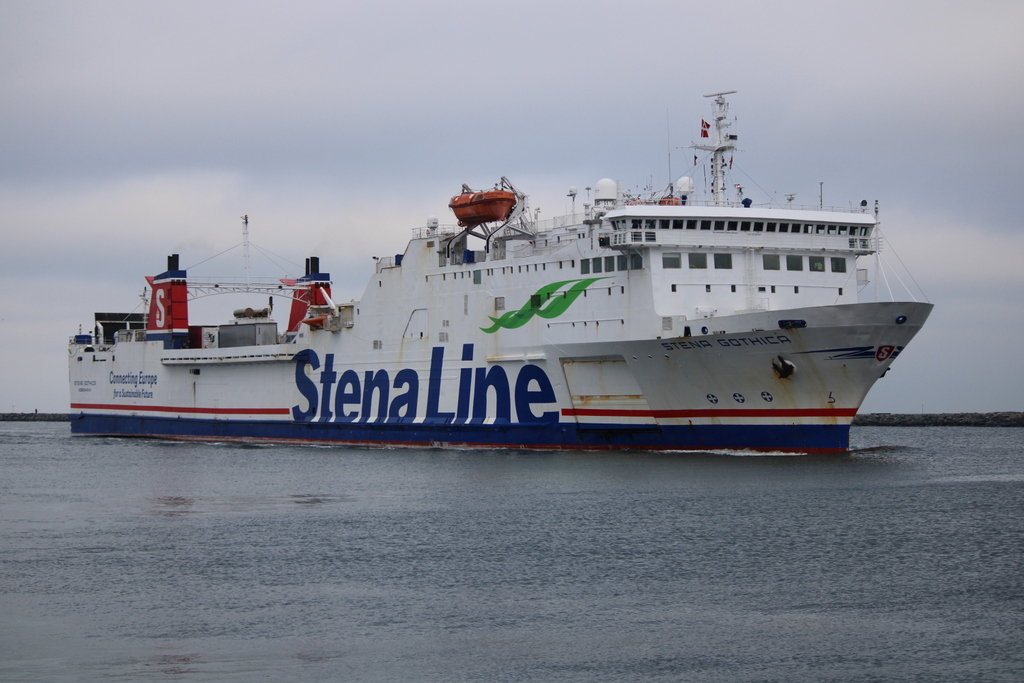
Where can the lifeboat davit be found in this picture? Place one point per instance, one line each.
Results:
(474, 208)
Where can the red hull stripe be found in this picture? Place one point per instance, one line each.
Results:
(766, 413)
(567, 412)
(182, 409)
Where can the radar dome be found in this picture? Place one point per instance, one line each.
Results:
(606, 189)
(684, 185)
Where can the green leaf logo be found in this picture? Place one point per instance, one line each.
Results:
(544, 302)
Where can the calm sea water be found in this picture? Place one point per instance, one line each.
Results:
(145, 560)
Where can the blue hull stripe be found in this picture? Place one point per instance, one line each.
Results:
(802, 438)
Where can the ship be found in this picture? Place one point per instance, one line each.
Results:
(653, 320)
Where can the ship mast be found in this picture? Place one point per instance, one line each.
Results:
(720, 144)
(245, 245)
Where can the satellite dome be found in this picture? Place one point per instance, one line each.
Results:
(606, 189)
(684, 185)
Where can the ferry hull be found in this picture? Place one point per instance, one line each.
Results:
(782, 381)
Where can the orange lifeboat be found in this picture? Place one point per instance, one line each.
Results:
(473, 208)
(670, 201)
(316, 322)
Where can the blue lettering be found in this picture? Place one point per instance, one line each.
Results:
(348, 394)
(327, 377)
(493, 377)
(376, 382)
(408, 400)
(434, 388)
(544, 393)
(347, 397)
(462, 407)
(305, 385)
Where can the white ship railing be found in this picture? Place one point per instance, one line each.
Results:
(754, 240)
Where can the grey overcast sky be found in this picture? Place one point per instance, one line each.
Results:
(132, 130)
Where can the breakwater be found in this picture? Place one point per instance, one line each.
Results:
(1003, 419)
(34, 417)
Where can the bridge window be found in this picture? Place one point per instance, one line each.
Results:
(585, 266)
(698, 260)
(663, 224)
(794, 262)
(819, 229)
(691, 224)
(745, 226)
(609, 264)
(622, 262)
(831, 229)
(795, 228)
(758, 226)
(636, 262)
(595, 266)
(770, 261)
(723, 261)
(705, 225)
(816, 264)
(719, 225)
(732, 226)
(838, 264)
(677, 224)
(672, 260)
(783, 227)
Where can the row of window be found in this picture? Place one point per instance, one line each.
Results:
(609, 264)
(477, 275)
(739, 226)
(815, 264)
(707, 288)
(769, 262)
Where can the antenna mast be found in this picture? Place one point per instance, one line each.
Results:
(245, 246)
(721, 144)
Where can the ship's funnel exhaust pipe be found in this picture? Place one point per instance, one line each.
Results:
(172, 262)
